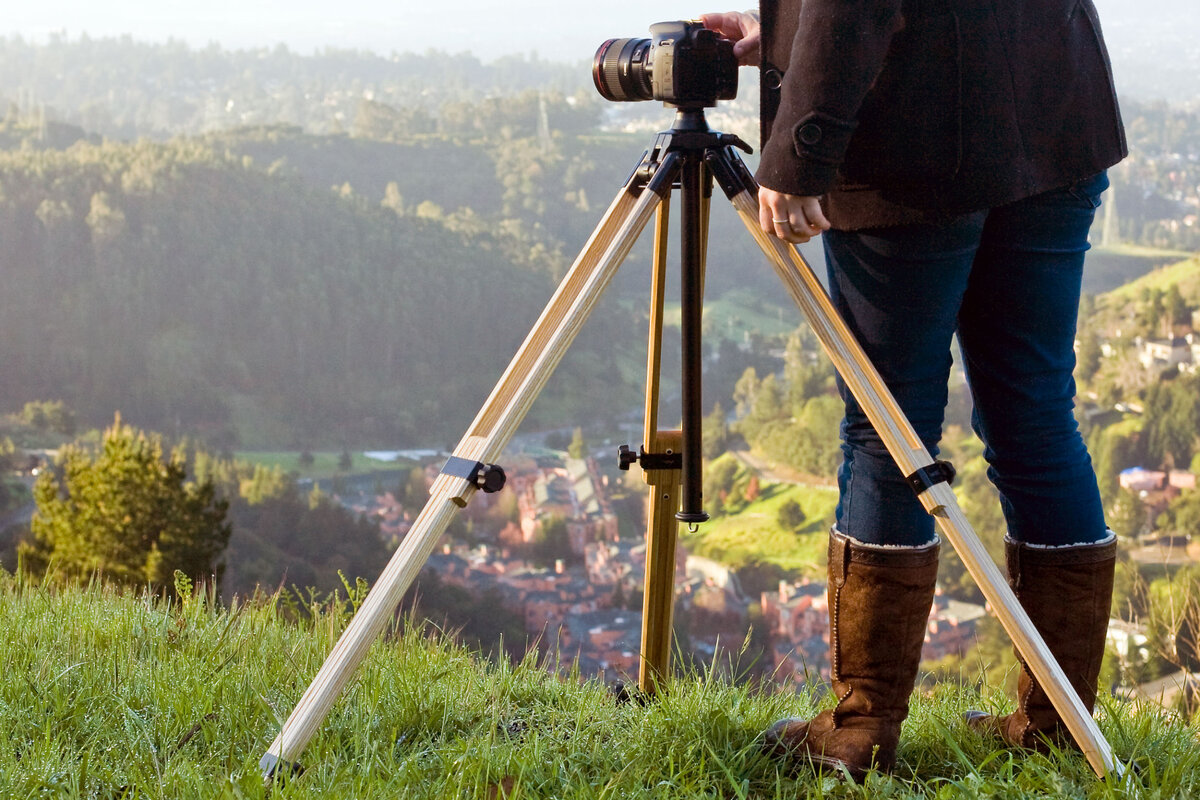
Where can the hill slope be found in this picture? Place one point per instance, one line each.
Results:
(107, 695)
(193, 290)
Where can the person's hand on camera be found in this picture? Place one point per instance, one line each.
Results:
(792, 218)
(740, 28)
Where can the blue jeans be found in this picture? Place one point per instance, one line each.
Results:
(1007, 280)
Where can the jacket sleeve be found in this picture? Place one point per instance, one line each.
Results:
(836, 55)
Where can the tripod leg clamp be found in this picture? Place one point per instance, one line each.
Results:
(488, 477)
(929, 476)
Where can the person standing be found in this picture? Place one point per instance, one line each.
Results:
(951, 154)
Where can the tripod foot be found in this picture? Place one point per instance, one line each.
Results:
(276, 770)
(624, 693)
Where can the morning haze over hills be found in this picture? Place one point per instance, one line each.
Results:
(296, 271)
(267, 250)
(231, 283)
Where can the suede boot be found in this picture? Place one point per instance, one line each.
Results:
(1067, 592)
(879, 603)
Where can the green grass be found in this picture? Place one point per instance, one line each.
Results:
(1186, 273)
(117, 695)
(737, 312)
(325, 464)
(1141, 251)
(108, 694)
(752, 535)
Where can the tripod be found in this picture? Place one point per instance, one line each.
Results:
(693, 155)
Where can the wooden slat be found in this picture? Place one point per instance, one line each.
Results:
(491, 431)
(658, 601)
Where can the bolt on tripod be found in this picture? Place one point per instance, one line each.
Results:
(692, 155)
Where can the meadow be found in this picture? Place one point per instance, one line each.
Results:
(108, 693)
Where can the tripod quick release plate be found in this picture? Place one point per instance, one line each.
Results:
(488, 477)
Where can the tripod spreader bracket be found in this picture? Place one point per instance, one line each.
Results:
(731, 174)
(669, 460)
(930, 476)
(488, 477)
(700, 141)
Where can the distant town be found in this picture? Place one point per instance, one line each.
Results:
(579, 610)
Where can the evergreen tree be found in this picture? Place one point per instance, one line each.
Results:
(128, 513)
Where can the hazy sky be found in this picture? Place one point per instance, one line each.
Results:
(555, 29)
(564, 30)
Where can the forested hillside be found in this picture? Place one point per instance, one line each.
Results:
(122, 88)
(192, 288)
(344, 247)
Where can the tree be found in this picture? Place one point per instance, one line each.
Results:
(1177, 309)
(49, 415)
(1182, 515)
(1127, 516)
(127, 512)
(714, 433)
(345, 461)
(1172, 421)
(752, 489)
(416, 487)
(578, 447)
(551, 542)
(1153, 310)
(745, 391)
(1089, 355)
(719, 481)
(264, 484)
(790, 516)
(7, 452)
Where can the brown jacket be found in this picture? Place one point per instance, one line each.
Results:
(899, 110)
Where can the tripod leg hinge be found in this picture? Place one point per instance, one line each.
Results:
(488, 477)
(730, 173)
(930, 476)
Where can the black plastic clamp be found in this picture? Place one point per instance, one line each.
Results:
(927, 477)
(488, 477)
(626, 458)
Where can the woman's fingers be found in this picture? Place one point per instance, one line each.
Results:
(792, 218)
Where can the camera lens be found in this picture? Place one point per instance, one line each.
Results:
(621, 70)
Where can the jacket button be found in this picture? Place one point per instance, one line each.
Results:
(809, 133)
(773, 78)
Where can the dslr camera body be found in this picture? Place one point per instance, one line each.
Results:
(682, 64)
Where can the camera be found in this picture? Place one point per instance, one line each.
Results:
(682, 64)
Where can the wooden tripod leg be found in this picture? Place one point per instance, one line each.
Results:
(491, 431)
(658, 601)
(658, 598)
(910, 455)
(662, 528)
